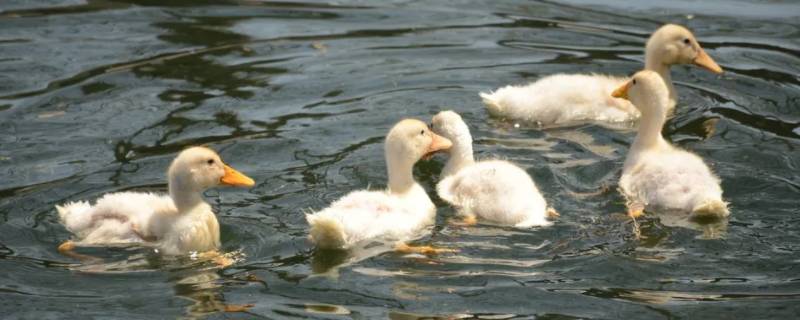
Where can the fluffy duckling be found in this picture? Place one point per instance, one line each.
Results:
(565, 99)
(496, 191)
(398, 213)
(178, 223)
(657, 175)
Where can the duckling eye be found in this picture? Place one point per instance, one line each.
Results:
(422, 132)
(210, 161)
(686, 41)
(634, 81)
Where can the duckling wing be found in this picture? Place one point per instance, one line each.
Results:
(562, 99)
(497, 191)
(116, 218)
(364, 215)
(671, 180)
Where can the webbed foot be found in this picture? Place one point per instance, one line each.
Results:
(426, 250)
(552, 214)
(238, 307)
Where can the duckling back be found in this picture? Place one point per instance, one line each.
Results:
(112, 218)
(496, 191)
(676, 180)
(562, 99)
(363, 215)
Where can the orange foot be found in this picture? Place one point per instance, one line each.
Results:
(238, 307)
(426, 250)
(635, 210)
(66, 247)
(217, 258)
(552, 214)
(223, 261)
(469, 220)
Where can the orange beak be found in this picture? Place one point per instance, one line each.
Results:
(704, 61)
(622, 91)
(439, 143)
(235, 178)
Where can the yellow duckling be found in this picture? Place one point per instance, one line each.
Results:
(657, 175)
(398, 213)
(567, 99)
(496, 191)
(178, 223)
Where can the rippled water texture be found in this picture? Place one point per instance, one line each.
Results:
(98, 96)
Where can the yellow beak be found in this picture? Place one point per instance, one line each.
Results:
(622, 91)
(438, 143)
(235, 178)
(704, 61)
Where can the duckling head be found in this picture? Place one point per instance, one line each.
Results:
(197, 168)
(647, 91)
(450, 125)
(674, 44)
(411, 140)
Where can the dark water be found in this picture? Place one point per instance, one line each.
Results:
(98, 96)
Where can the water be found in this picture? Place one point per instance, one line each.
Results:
(98, 96)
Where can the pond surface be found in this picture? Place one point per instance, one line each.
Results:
(98, 96)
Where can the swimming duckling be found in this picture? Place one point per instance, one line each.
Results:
(657, 175)
(568, 99)
(178, 223)
(398, 213)
(496, 191)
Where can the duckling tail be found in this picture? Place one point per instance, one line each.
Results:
(492, 102)
(75, 215)
(445, 189)
(711, 209)
(326, 232)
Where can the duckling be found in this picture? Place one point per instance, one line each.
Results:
(178, 223)
(657, 175)
(568, 99)
(496, 191)
(398, 213)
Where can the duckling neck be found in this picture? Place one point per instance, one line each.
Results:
(649, 135)
(401, 177)
(460, 156)
(655, 64)
(184, 196)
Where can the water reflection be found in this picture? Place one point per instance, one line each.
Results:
(199, 281)
(710, 228)
(204, 290)
(327, 262)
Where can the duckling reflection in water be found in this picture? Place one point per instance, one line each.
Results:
(204, 289)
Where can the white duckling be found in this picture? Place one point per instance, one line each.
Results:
(566, 99)
(657, 175)
(398, 213)
(178, 223)
(494, 190)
